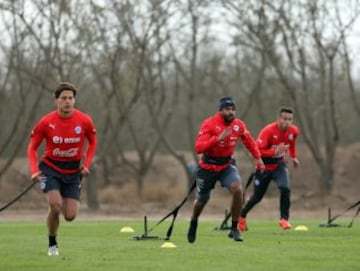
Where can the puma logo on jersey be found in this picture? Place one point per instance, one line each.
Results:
(52, 126)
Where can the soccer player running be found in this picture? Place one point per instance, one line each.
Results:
(216, 141)
(60, 170)
(275, 141)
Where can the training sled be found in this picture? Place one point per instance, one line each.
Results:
(331, 219)
(329, 223)
(224, 224)
(172, 213)
(146, 235)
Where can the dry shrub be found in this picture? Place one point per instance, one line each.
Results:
(112, 194)
(159, 193)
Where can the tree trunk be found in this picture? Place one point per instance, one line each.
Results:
(326, 178)
(91, 190)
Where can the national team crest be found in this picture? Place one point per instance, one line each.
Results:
(42, 185)
(291, 137)
(43, 182)
(78, 129)
(236, 128)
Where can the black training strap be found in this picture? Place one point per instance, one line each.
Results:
(174, 213)
(352, 220)
(17, 197)
(212, 160)
(249, 181)
(349, 208)
(272, 160)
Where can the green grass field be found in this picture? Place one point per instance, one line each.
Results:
(100, 246)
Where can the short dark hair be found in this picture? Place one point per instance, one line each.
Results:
(64, 86)
(286, 110)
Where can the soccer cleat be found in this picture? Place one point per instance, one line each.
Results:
(235, 234)
(285, 224)
(242, 226)
(191, 236)
(53, 251)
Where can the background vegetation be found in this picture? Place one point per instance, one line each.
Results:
(150, 71)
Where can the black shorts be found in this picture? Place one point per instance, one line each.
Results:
(280, 176)
(69, 185)
(206, 180)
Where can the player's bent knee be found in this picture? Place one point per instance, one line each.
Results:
(70, 214)
(55, 207)
(71, 207)
(235, 188)
(70, 217)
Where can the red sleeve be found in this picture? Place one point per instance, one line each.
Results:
(92, 143)
(37, 136)
(205, 138)
(250, 143)
(292, 148)
(263, 143)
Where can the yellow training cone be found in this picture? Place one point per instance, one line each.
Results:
(168, 245)
(301, 228)
(127, 229)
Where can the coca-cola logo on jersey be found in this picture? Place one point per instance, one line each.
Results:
(68, 140)
(66, 153)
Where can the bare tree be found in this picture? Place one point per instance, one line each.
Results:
(348, 68)
(41, 48)
(17, 90)
(304, 59)
(131, 78)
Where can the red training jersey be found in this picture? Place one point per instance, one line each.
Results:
(65, 138)
(271, 136)
(207, 140)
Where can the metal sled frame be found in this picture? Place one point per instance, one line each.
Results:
(224, 224)
(145, 236)
(329, 223)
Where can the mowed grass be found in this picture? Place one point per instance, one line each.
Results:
(100, 246)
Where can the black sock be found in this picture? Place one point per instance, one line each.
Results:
(234, 224)
(284, 203)
(52, 241)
